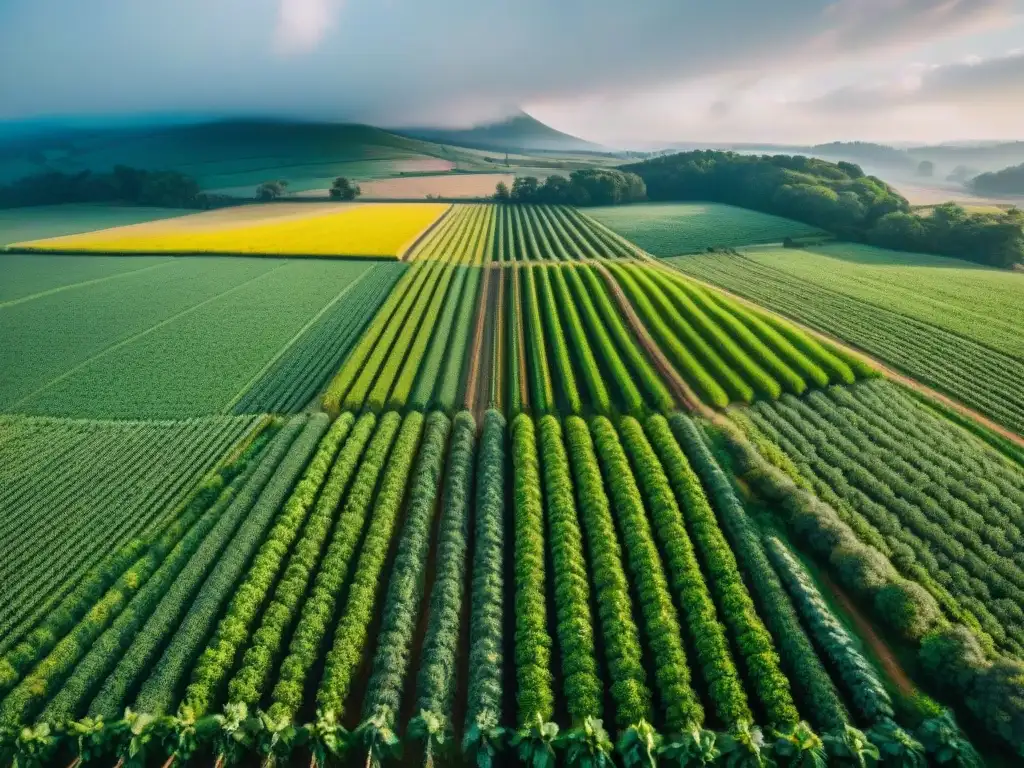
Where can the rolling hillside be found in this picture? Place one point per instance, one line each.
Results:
(230, 156)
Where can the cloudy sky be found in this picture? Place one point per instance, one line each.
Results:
(620, 72)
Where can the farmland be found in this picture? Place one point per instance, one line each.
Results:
(918, 328)
(346, 230)
(669, 229)
(527, 495)
(195, 333)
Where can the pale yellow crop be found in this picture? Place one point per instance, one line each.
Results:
(382, 230)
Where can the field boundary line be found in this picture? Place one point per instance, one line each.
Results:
(883, 368)
(679, 387)
(135, 337)
(83, 283)
(404, 253)
(291, 342)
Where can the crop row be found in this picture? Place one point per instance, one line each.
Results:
(943, 631)
(462, 237)
(975, 374)
(382, 369)
(293, 378)
(970, 549)
(728, 352)
(286, 603)
(76, 492)
(551, 233)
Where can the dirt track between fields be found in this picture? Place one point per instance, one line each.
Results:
(473, 377)
(682, 391)
(890, 664)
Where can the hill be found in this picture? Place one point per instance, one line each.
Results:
(517, 133)
(1009, 181)
(231, 155)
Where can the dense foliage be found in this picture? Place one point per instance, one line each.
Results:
(1008, 181)
(591, 186)
(134, 186)
(438, 676)
(837, 197)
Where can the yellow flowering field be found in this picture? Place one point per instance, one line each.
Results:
(369, 229)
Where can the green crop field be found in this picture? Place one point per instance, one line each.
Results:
(669, 229)
(977, 302)
(530, 496)
(906, 327)
(176, 338)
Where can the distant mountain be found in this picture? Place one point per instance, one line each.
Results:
(515, 134)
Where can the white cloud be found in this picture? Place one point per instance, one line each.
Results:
(303, 24)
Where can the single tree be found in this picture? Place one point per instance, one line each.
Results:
(343, 189)
(271, 190)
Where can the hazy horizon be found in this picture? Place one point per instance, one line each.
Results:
(622, 75)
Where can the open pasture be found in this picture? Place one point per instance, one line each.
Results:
(374, 230)
(669, 229)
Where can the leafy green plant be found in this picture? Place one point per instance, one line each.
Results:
(312, 627)
(534, 694)
(350, 637)
(383, 699)
(681, 708)
(436, 681)
(484, 735)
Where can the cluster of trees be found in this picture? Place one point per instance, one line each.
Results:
(837, 197)
(1009, 181)
(134, 186)
(593, 186)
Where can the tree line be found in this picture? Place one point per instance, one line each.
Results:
(592, 186)
(837, 197)
(123, 184)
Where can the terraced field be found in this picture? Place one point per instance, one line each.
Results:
(549, 502)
